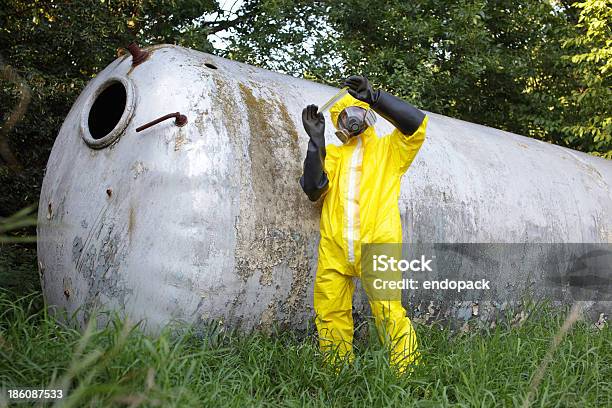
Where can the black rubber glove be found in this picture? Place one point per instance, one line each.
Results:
(405, 117)
(314, 124)
(401, 114)
(314, 181)
(359, 88)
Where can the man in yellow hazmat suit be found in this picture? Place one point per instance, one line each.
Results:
(360, 184)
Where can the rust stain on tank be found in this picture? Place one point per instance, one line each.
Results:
(131, 222)
(265, 241)
(149, 50)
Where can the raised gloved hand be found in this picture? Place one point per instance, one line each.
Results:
(359, 88)
(314, 124)
(314, 181)
(401, 114)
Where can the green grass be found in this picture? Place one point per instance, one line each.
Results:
(118, 366)
(19, 269)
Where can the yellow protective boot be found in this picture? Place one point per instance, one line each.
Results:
(396, 331)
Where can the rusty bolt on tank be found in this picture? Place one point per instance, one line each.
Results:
(138, 54)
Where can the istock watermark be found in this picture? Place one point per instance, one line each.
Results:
(383, 263)
(483, 271)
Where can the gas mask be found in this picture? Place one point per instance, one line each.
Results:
(352, 121)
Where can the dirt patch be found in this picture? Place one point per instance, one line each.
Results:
(276, 223)
(278, 229)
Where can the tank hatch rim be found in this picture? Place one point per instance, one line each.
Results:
(128, 111)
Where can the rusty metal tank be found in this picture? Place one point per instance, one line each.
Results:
(201, 216)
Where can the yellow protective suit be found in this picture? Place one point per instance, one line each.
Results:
(361, 206)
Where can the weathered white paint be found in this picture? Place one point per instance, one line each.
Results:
(209, 221)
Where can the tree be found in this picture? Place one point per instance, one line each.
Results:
(591, 54)
(498, 63)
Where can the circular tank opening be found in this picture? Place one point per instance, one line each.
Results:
(209, 65)
(107, 110)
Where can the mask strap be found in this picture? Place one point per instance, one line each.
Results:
(370, 117)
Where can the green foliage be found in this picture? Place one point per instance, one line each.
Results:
(207, 366)
(18, 264)
(592, 58)
(18, 269)
(287, 36)
(21, 219)
(495, 63)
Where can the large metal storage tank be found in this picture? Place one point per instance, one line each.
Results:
(207, 220)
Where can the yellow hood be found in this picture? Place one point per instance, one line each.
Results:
(339, 106)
